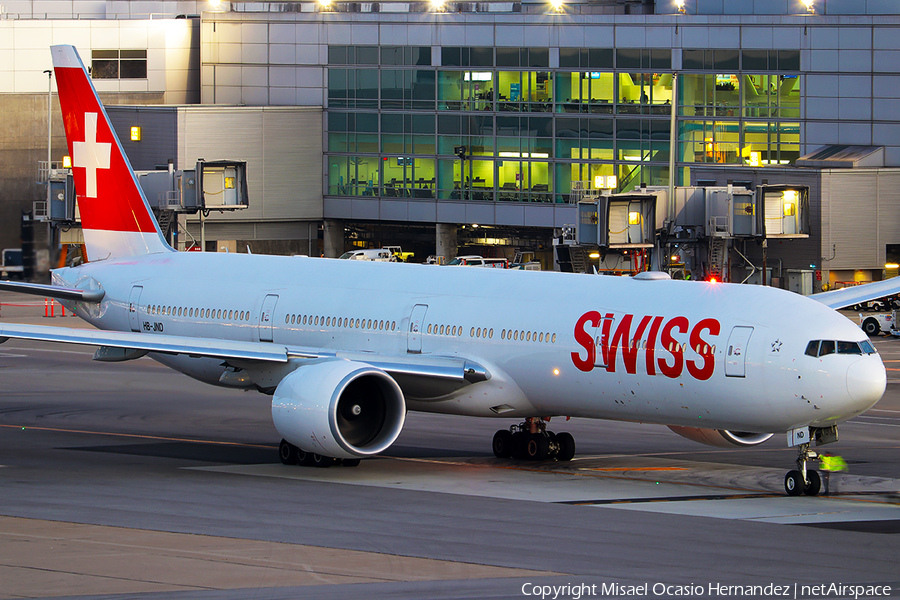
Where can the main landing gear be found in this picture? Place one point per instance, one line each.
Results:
(531, 440)
(292, 455)
(803, 480)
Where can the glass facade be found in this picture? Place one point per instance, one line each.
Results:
(501, 125)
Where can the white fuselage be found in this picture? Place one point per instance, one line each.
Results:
(678, 353)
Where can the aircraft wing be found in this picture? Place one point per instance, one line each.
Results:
(53, 291)
(419, 370)
(857, 294)
(167, 344)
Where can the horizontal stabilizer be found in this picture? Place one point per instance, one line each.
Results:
(52, 291)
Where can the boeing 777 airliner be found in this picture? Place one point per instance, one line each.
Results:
(346, 348)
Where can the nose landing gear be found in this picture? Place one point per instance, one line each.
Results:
(530, 440)
(803, 480)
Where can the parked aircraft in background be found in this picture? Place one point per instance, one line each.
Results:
(347, 347)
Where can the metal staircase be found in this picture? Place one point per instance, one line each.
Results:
(165, 220)
(579, 259)
(717, 255)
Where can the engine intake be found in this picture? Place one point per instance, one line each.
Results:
(339, 408)
(721, 438)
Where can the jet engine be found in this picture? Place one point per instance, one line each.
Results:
(721, 437)
(339, 408)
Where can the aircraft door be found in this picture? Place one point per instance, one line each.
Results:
(267, 318)
(134, 303)
(600, 342)
(416, 321)
(736, 352)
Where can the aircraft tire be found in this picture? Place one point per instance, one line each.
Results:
(350, 462)
(519, 443)
(304, 458)
(793, 483)
(537, 447)
(322, 461)
(870, 326)
(814, 483)
(287, 453)
(566, 447)
(503, 444)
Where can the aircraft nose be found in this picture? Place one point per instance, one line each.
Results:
(866, 382)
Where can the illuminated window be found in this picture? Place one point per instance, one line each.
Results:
(119, 64)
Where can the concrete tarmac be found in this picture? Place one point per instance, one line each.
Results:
(129, 480)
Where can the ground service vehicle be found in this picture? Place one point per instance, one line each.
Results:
(12, 267)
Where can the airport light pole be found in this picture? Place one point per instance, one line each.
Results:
(49, 73)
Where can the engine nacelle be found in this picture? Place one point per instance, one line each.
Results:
(339, 408)
(721, 437)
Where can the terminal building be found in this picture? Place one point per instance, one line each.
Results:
(478, 127)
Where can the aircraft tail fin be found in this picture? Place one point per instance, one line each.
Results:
(115, 216)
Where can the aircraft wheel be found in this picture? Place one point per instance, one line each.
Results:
(350, 462)
(814, 484)
(287, 453)
(304, 458)
(793, 483)
(537, 447)
(566, 447)
(322, 461)
(870, 326)
(519, 444)
(503, 444)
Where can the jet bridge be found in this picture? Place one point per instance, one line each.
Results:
(620, 221)
(699, 233)
(210, 185)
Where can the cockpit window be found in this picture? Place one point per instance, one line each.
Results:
(848, 348)
(825, 347)
(867, 347)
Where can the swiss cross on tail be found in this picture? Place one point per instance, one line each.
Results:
(115, 217)
(90, 155)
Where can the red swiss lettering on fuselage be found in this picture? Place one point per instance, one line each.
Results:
(647, 330)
